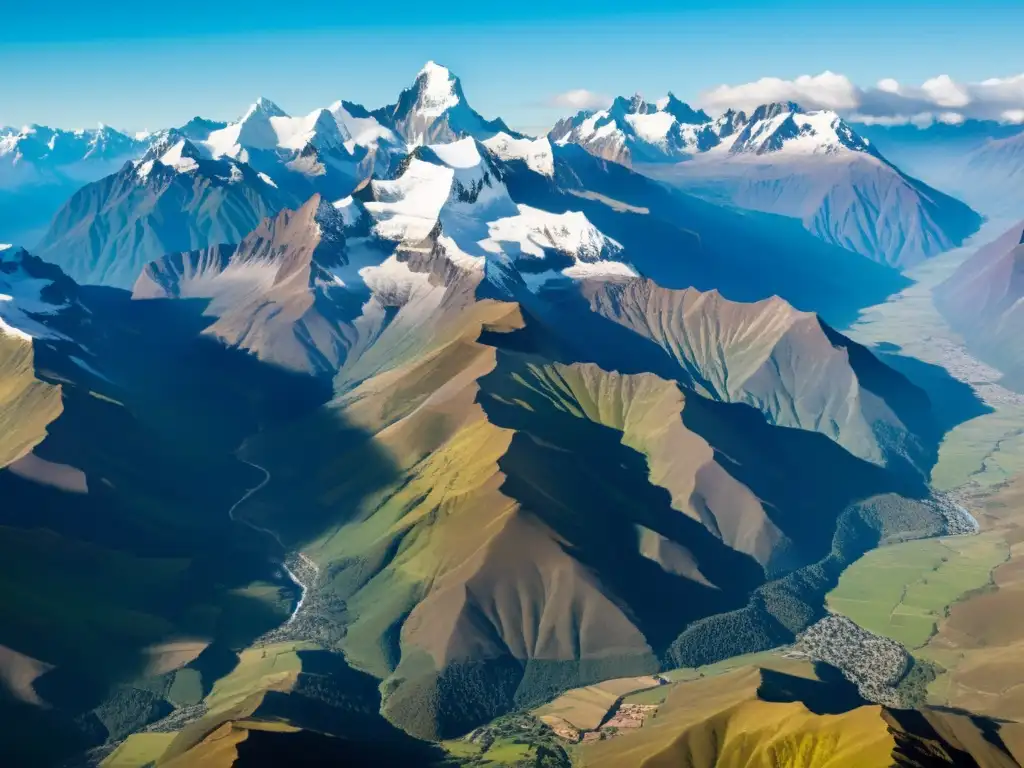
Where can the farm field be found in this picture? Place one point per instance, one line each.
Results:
(984, 452)
(902, 591)
(585, 708)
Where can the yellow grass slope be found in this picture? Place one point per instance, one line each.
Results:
(756, 734)
(27, 405)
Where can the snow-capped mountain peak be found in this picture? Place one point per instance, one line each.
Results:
(437, 89)
(171, 150)
(774, 109)
(669, 130)
(729, 123)
(634, 130)
(360, 127)
(451, 198)
(535, 153)
(434, 109)
(54, 147)
(318, 129)
(254, 131)
(31, 291)
(264, 107)
(784, 128)
(265, 126)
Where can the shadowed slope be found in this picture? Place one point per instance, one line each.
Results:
(104, 578)
(274, 294)
(859, 202)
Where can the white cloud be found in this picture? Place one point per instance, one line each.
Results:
(579, 99)
(945, 93)
(825, 91)
(940, 98)
(950, 118)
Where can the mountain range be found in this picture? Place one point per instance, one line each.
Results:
(205, 186)
(336, 437)
(811, 166)
(42, 167)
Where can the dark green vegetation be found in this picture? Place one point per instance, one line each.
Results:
(913, 688)
(780, 609)
(517, 740)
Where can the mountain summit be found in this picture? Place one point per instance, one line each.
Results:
(434, 109)
(633, 130)
(683, 112)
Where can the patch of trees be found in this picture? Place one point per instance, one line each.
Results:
(520, 728)
(448, 704)
(913, 688)
(129, 709)
(746, 630)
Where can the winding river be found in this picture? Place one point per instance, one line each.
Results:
(266, 531)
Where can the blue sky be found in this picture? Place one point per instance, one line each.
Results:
(147, 65)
